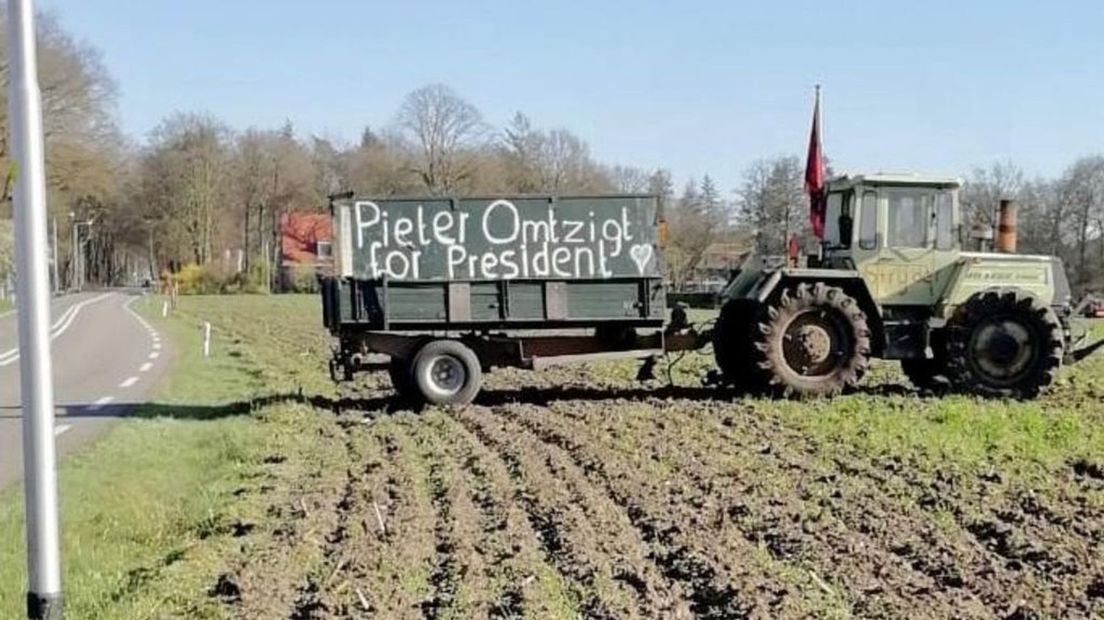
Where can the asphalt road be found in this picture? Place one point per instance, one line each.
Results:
(105, 358)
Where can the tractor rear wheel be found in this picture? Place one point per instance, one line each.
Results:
(813, 341)
(1004, 342)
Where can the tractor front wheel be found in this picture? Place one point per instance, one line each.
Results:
(1004, 342)
(732, 346)
(813, 341)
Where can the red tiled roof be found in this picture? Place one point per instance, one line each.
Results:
(300, 233)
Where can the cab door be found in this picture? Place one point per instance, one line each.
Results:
(900, 267)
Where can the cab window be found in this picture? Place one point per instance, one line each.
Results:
(944, 221)
(909, 219)
(837, 220)
(868, 221)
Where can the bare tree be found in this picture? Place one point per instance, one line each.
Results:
(443, 128)
(983, 191)
(628, 179)
(554, 161)
(773, 204)
(1082, 196)
(184, 178)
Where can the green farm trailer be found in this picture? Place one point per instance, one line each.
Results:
(448, 288)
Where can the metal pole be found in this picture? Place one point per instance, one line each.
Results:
(72, 251)
(39, 473)
(54, 251)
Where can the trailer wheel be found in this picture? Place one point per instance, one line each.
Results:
(446, 372)
(813, 341)
(1004, 342)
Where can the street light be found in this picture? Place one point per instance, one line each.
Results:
(35, 366)
(78, 249)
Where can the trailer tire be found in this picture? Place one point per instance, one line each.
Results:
(813, 341)
(1004, 342)
(446, 372)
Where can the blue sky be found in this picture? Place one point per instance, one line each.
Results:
(696, 87)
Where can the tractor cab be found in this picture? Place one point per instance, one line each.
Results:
(899, 231)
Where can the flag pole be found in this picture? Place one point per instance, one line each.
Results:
(820, 115)
(32, 280)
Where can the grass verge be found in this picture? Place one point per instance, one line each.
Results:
(142, 497)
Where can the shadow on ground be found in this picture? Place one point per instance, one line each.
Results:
(390, 403)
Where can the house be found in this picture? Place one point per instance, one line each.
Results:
(306, 249)
(719, 260)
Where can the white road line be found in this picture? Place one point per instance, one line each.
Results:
(100, 403)
(61, 428)
(154, 355)
(58, 328)
(156, 345)
(145, 367)
(129, 381)
(138, 317)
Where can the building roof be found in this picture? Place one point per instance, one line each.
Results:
(300, 233)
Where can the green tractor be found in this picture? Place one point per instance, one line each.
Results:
(893, 282)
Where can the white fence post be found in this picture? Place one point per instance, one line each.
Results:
(206, 339)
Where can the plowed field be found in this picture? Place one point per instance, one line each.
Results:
(574, 492)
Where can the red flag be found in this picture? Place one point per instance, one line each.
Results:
(815, 174)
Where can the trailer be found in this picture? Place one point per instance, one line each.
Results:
(446, 289)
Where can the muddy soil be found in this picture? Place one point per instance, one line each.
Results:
(564, 495)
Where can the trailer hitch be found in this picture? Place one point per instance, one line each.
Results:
(1076, 355)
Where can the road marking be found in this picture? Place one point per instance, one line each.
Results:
(58, 328)
(61, 428)
(156, 345)
(138, 317)
(129, 381)
(145, 367)
(99, 404)
(154, 355)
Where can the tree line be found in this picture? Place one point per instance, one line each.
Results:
(197, 191)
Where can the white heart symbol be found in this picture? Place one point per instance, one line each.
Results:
(641, 255)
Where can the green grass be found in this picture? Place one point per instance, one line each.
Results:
(5, 305)
(140, 499)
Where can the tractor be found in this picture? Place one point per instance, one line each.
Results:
(892, 281)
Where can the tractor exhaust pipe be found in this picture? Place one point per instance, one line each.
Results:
(1006, 227)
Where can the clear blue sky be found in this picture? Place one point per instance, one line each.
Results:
(696, 87)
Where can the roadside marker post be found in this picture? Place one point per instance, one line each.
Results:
(206, 339)
(39, 467)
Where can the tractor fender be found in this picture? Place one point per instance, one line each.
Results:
(771, 287)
